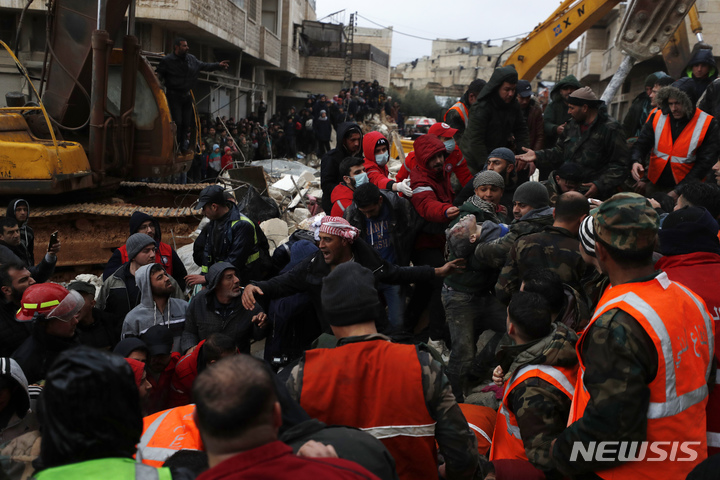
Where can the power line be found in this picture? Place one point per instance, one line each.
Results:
(433, 39)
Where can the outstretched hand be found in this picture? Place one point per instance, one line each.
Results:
(451, 267)
(248, 296)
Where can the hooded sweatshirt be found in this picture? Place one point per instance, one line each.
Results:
(18, 417)
(27, 235)
(330, 163)
(556, 113)
(494, 123)
(146, 314)
(376, 174)
(700, 84)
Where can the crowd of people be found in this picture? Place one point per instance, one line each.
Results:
(456, 320)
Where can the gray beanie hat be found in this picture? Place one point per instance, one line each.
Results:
(215, 272)
(136, 242)
(349, 296)
(488, 177)
(503, 153)
(532, 193)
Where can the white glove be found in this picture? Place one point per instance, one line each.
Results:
(404, 188)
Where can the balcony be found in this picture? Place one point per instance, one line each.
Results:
(590, 66)
(269, 47)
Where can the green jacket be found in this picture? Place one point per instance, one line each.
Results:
(556, 113)
(601, 151)
(494, 254)
(554, 248)
(494, 123)
(107, 469)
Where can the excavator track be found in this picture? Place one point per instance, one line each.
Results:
(89, 232)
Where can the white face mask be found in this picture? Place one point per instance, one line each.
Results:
(360, 179)
(449, 145)
(382, 158)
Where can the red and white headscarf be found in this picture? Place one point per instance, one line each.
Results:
(338, 226)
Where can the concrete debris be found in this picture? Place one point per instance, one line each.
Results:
(90, 278)
(278, 168)
(276, 231)
(286, 182)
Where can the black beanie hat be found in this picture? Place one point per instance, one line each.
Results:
(689, 230)
(349, 296)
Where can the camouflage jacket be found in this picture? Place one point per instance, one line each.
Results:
(458, 445)
(620, 362)
(553, 248)
(541, 409)
(601, 151)
(593, 286)
(494, 254)
(552, 187)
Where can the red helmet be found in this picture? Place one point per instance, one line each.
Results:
(50, 300)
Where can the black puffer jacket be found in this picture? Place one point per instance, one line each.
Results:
(494, 123)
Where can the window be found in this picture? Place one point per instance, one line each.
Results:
(239, 3)
(252, 10)
(270, 15)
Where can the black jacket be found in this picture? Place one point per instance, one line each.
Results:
(180, 73)
(27, 235)
(12, 332)
(492, 123)
(307, 276)
(104, 333)
(405, 223)
(322, 129)
(38, 352)
(330, 163)
(40, 272)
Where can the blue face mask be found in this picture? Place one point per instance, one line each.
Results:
(360, 179)
(382, 158)
(449, 145)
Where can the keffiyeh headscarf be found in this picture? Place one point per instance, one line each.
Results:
(335, 226)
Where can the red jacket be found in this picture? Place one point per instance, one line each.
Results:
(161, 387)
(163, 256)
(432, 194)
(277, 460)
(186, 371)
(377, 174)
(226, 160)
(699, 272)
(342, 197)
(455, 161)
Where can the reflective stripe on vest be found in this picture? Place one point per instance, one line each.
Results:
(507, 439)
(461, 109)
(681, 330)
(681, 151)
(179, 434)
(342, 208)
(337, 389)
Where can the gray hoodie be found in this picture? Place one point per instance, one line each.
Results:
(146, 314)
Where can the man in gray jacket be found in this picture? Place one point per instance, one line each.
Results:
(157, 307)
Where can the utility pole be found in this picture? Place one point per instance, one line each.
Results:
(350, 34)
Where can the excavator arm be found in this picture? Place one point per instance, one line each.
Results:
(547, 40)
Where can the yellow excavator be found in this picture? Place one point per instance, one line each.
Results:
(649, 27)
(100, 115)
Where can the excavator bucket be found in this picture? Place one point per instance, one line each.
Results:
(649, 24)
(677, 52)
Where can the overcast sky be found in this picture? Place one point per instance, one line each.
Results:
(478, 20)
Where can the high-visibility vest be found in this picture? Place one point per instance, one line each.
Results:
(681, 152)
(683, 334)
(252, 257)
(461, 109)
(507, 439)
(166, 432)
(481, 421)
(375, 386)
(106, 468)
(163, 256)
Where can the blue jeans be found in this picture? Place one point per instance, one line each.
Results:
(395, 303)
(468, 315)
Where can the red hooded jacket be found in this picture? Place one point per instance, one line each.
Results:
(432, 192)
(342, 197)
(376, 174)
(186, 371)
(455, 161)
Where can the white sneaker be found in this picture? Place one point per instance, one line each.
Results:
(440, 347)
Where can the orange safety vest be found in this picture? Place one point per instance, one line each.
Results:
(681, 152)
(163, 256)
(461, 109)
(375, 386)
(481, 421)
(682, 331)
(507, 440)
(166, 432)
